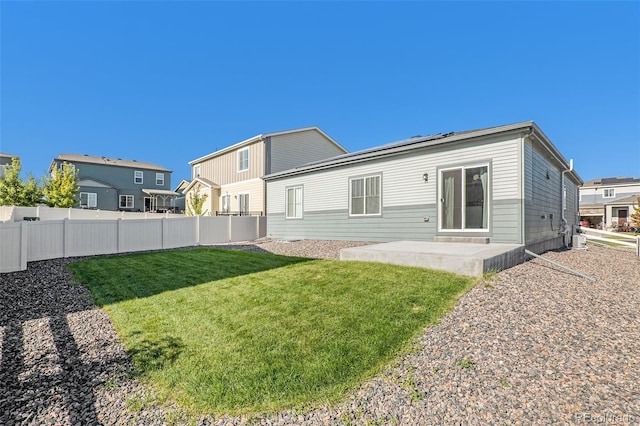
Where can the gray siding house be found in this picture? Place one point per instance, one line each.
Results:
(608, 202)
(117, 184)
(505, 184)
(5, 160)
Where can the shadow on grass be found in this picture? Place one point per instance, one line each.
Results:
(114, 279)
(155, 354)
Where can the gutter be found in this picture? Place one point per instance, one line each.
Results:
(382, 151)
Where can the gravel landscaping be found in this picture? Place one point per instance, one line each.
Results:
(531, 345)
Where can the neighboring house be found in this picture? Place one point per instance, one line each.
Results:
(5, 160)
(179, 202)
(599, 200)
(117, 184)
(506, 184)
(232, 177)
(618, 213)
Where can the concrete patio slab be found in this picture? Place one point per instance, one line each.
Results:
(460, 258)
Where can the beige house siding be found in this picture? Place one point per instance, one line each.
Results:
(210, 205)
(224, 169)
(267, 153)
(253, 187)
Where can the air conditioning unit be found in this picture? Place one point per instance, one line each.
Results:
(579, 242)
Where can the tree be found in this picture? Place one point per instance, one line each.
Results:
(16, 192)
(195, 202)
(61, 187)
(635, 217)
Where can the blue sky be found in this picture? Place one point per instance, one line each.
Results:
(168, 82)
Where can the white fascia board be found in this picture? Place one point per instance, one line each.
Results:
(201, 182)
(227, 149)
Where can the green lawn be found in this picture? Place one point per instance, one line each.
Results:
(222, 331)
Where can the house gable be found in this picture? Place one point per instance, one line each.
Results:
(288, 150)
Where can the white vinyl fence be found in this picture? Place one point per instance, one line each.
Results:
(620, 238)
(27, 241)
(45, 213)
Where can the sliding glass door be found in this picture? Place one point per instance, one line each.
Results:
(464, 198)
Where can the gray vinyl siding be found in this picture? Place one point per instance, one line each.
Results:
(121, 179)
(543, 198)
(406, 198)
(294, 149)
(107, 197)
(506, 221)
(406, 224)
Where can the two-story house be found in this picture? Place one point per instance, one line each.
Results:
(117, 184)
(5, 160)
(231, 178)
(608, 201)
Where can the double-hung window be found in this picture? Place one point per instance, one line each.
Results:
(196, 171)
(126, 201)
(365, 196)
(464, 198)
(294, 202)
(88, 200)
(138, 176)
(159, 179)
(243, 160)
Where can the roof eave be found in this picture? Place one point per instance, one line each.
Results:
(549, 146)
(385, 152)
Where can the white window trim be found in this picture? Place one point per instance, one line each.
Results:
(135, 177)
(364, 178)
(160, 175)
(91, 196)
(128, 196)
(196, 171)
(227, 208)
(240, 157)
(464, 194)
(301, 202)
(611, 191)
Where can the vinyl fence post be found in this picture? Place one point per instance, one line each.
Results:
(24, 241)
(257, 228)
(65, 237)
(118, 235)
(165, 232)
(197, 230)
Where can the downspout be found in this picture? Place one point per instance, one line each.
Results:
(565, 229)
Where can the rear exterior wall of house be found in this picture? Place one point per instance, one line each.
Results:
(409, 206)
